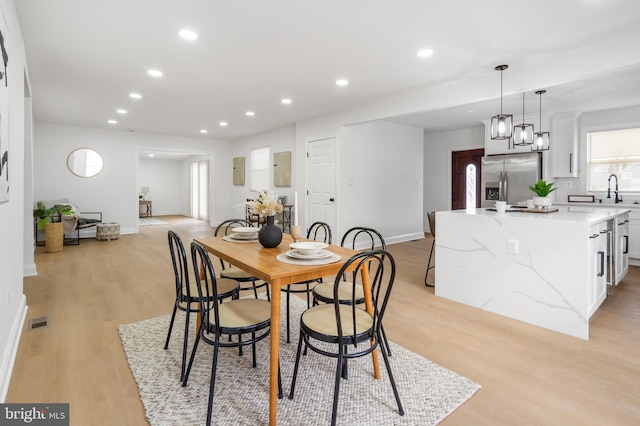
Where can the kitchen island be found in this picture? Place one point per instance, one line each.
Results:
(547, 269)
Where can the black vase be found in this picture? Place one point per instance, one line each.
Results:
(270, 235)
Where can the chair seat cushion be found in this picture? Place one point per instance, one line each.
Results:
(325, 291)
(322, 320)
(243, 313)
(235, 273)
(83, 221)
(225, 288)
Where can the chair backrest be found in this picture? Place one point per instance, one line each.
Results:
(382, 271)
(180, 265)
(362, 238)
(225, 228)
(320, 231)
(205, 277)
(431, 218)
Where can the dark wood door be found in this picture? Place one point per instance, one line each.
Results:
(460, 161)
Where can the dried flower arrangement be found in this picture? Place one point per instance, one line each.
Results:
(267, 204)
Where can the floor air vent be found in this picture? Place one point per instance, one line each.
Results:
(35, 323)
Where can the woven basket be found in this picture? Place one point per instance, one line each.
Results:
(54, 237)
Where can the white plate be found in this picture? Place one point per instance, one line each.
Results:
(297, 255)
(244, 236)
(245, 230)
(308, 247)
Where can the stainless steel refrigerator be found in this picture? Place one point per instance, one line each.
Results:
(508, 177)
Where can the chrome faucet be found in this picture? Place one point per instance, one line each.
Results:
(617, 200)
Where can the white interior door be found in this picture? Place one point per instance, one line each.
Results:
(321, 192)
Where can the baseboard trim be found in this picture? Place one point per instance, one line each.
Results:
(11, 349)
(29, 270)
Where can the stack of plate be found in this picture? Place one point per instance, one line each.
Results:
(308, 250)
(244, 233)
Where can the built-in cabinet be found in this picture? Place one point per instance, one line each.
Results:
(634, 234)
(621, 247)
(563, 148)
(597, 277)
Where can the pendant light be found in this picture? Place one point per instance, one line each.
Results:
(501, 124)
(523, 133)
(541, 139)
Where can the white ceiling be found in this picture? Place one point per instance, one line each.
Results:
(85, 57)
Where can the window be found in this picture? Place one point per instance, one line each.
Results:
(259, 169)
(471, 186)
(200, 190)
(614, 152)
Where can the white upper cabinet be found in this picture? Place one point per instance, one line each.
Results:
(563, 148)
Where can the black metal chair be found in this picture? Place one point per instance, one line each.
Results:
(318, 231)
(187, 294)
(355, 238)
(237, 317)
(344, 331)
(431, 218)
(230, 271)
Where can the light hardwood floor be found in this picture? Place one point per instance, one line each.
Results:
(528, 375)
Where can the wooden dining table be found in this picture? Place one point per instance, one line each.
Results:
(262, 263)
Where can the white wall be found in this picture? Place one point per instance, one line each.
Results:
(278, 140)
(438, 148)
(13, 217)
(165, 182)
(116, 189)
(380, 179)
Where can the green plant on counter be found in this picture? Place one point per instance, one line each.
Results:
(45, 215)
(542, 188)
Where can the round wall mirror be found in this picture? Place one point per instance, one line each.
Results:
(84, 162)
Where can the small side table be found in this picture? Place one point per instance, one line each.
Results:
(287, 218)
(148, 211)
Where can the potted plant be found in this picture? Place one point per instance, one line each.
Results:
(542, 189)
(54, 235)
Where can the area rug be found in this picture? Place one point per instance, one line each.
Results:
(428, 391)
(151, 221)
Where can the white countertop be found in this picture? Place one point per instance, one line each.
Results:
(599, 205)
(581, 214)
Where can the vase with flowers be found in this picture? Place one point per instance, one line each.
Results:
(267, 204)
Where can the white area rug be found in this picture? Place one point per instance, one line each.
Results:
(428, 391)
(147, 221)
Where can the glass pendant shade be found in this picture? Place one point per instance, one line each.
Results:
(541, 139)
(501, 124)
(541, 142)
(523, 133)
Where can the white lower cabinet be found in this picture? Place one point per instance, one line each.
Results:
(621, 258)
(634, 234)
(597, 278)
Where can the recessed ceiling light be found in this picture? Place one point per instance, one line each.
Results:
(121, 111)
(112, 122)
(188, 35)
(223, 123)
(286, 101)
(155, 73)
(203, 131)
(471, 110)
(250, 113)
(424, 53)
(151, 155)
(342, 82)
(135, 95)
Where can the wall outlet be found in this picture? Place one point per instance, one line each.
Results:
(513, 247)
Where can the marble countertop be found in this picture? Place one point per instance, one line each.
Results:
(600, 205)
(581, 214)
